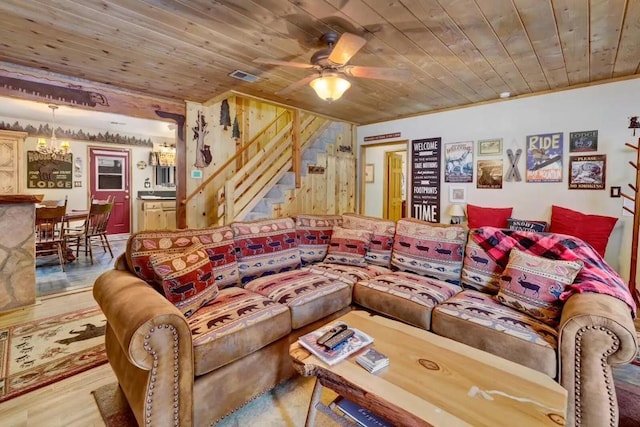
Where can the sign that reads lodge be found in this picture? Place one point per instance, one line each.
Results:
(425, 173)
(46, 171)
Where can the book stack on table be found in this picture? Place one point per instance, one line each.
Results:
(372, 360)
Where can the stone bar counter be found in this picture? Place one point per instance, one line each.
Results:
(17, 250)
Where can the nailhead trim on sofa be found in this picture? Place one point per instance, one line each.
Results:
(603, 362)
(154, 371)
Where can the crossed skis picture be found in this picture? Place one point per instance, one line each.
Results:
(513, 172)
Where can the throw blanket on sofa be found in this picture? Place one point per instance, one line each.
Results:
(596, 275)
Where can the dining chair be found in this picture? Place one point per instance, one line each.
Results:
(93, 233)
(53, 203)
(50, 232)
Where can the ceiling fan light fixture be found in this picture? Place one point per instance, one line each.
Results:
(330, 87)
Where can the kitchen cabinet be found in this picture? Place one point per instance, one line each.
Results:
(156, 215)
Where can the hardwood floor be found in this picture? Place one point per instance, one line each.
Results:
(79, 274)
(65, 403)
(68, 402)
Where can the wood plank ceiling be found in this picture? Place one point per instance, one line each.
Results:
(459, 52)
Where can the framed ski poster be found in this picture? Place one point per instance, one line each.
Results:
(544, 157)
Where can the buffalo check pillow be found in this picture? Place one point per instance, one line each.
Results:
(186, 277)
(533, 284)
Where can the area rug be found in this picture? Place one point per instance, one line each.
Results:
(284, 406)
(38, 353)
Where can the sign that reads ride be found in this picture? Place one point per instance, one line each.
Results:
(425, 173)
(46, 171)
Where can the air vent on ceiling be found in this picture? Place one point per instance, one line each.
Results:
(246, 77)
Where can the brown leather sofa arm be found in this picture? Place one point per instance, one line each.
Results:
(154, 337)
(596, 332)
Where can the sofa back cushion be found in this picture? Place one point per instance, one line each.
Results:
(314, 233)
(382, 232)
(186, 277)
(433, 250)
(265, 247)
(479, 271)
(217, 241)
(348, 246)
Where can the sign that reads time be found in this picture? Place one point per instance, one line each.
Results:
(425, 174)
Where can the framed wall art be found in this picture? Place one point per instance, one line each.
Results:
(368, 172)
(587, 172)
(490, 147)
(458, 157)
(587, 140)
(457, 194)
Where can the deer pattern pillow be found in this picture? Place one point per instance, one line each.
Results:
(533, 284)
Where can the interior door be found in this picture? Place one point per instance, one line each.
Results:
(110, 177)
(393, 199)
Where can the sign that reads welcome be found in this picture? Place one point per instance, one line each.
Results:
(425, 173)
(46, 171)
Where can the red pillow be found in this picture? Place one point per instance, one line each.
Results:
(593, 229)
(488, 217)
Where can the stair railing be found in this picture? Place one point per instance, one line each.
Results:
(265, 160)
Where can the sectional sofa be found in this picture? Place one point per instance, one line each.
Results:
(200, 321)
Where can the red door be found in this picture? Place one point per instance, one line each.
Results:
(109, 177)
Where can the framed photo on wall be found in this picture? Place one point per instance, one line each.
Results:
(458, 157)
(587, 172)
(368, 172)
(457, 194)
(490, 147)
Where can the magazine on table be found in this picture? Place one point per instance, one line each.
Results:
(332, 356)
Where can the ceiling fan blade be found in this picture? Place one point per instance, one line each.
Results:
(296, 85)
(283, 63)
(347, 46)
(395, 74)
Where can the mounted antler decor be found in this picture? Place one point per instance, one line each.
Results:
(635, 212)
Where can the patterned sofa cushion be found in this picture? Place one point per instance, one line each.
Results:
(348, 246)
(308, 295)
(186, 277)
(479, 271)
(217, 241)
(381, 244)
(433, 250)
(533, 284)
(238, 322)
(265, 247)
(405, 296)
(314, 233)
(477, 319)
(348, 274)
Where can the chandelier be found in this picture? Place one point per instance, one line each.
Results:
(51, 147)
(330, 86)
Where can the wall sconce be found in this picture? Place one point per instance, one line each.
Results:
(330, 87)
(456, 212)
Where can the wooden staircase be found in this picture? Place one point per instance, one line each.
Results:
(273, 161)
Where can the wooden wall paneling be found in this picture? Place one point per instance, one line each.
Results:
(505, 22)
(539, 21)
(472, 22)
(573, 30)
(331, 180)
(605, 25)
(627, 58)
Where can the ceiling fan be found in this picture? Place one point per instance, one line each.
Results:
(330, 64)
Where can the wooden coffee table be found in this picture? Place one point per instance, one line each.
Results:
(435, 381)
